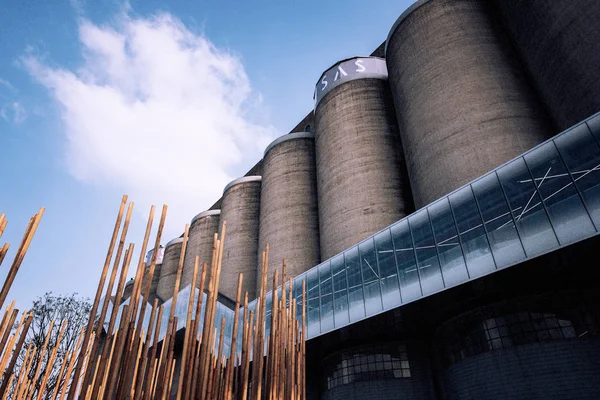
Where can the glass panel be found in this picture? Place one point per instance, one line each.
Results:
(312, 312)
(427, 258)
(569, 218)
(370, 273)
(472, 236)
(448, 244)
(534, 228)
(340, 291)
(298, 296)
(410, 287)
(355, 287)
(388, 271)
(326, 297)
(499, 224)
(594, 124)
(581, 153)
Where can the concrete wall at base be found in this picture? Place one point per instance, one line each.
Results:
(560, 370)
(559, 41)
(289, 216)
(168, 273)
(463, 99)
(361, 176)
(200, 243)
(240, 209)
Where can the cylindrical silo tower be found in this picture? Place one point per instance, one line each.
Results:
(361, 175)
(168, 272)
(463, 99)
(200, 243)
(156, 277)
(127, 290)
(289, 215)
(240, 209)
(559, 41)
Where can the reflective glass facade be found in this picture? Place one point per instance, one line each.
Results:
(544, 199)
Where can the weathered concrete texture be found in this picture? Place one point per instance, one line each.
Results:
(127, 290)
(168, 273)
(200, 243)
(361, 176)
(289, 215)
(559, 41)
(154, 285)
(240, 209)
(463, 100)
(565, 370)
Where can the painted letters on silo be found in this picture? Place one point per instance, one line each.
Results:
(200, 243)
(361, 176)
(289, 215)
(463, 99)
(559, 41)
(168, 272)
(240, 209)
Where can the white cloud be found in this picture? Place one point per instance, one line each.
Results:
(158, 112)
(13, 113)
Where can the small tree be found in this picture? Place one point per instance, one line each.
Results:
(69, 309)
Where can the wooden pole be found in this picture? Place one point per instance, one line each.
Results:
(94, 310)
(15, 355)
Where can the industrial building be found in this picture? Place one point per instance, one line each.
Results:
(442, 203)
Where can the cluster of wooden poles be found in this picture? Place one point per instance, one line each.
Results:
(125, 359)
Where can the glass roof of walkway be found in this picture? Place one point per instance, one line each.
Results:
(546, 198)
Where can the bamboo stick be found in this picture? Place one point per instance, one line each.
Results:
(14, 268)
(50, 365)
(74, 357)
(186, 339)
(94, 310)
(16, 352)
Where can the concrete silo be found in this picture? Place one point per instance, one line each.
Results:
(559, 41)
(168, 271)
(200, 243)
(361, 175)
(240, 209)
(127, 290)
(463, 99)
(289, 214)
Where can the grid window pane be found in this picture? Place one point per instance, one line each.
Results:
(581, 153)
(370, 273)
(390, 289)
(563, 204)
(356, 300)
(326, 297)
(340, 291)
(532, 222)
(452, 261)
(594, 124)
(410, 287)
(472, 235)
(312, 312)
(427, 258)
(498, 221)
(298, 296)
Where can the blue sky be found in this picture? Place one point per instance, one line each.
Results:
(164, 101)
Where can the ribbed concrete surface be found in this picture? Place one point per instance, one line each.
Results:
(240, 208)
(559, 40)
(154, 284)
(168, 272)
(463, 100)
(289, 215)
(200, 243)
(361, 176)
(127, 290)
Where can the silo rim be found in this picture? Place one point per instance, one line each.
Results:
(401, 18)
(244, 179)
(203, 214)
(341, 61)
(289, 136)
(130, 282)
(174, 241)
